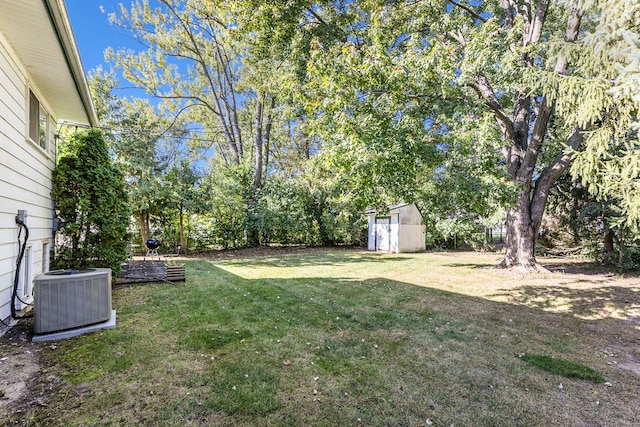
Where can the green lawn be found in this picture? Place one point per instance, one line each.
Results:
(348, 338)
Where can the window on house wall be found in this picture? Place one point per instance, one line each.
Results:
(38, 122)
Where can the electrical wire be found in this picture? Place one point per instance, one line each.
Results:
(7, 325)
(21, 250)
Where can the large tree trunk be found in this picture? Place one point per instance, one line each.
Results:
(607, 243)
(262, 142)
(621, 247)
(525, 131)
(267, 135)
(520, 245)
(143, 222)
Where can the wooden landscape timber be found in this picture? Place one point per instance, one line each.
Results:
(150, 271)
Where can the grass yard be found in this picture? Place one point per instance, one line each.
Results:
(349, 338)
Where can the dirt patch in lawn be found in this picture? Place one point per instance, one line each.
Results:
(23, 380)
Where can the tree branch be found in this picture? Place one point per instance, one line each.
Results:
(459, 37)
(535, 29)
(551, 173)
(508, 12)
(525, 11)
(227, 127)
(468, 9)
(482, 86)
(546, 108)
(325, 23)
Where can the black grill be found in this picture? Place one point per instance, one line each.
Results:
(152, 244)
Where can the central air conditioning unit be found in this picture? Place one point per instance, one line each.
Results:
(67, 299)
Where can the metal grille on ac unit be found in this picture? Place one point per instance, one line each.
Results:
(66, 299)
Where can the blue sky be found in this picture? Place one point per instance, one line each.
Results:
(92, 30)
(94, 34)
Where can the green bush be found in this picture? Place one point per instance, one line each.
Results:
(283, 213)
(92, 205)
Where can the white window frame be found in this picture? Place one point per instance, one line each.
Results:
(38, 122)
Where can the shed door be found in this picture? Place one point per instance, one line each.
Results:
(383, 234)
(371, 236)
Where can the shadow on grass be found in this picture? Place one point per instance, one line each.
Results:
(562, 367)
(293, 351)
(595, 302)
(314, 259)
(479, 265)
(577, 267)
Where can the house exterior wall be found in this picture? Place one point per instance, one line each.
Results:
(25, 179)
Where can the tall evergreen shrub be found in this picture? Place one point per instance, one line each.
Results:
(92, 204)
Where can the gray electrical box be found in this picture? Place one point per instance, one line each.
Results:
(22, 216)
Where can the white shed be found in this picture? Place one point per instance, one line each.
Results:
(399, 230)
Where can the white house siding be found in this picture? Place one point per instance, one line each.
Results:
(25, 177)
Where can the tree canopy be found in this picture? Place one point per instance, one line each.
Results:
(470, 109)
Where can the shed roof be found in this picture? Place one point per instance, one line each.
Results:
(391, 208)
